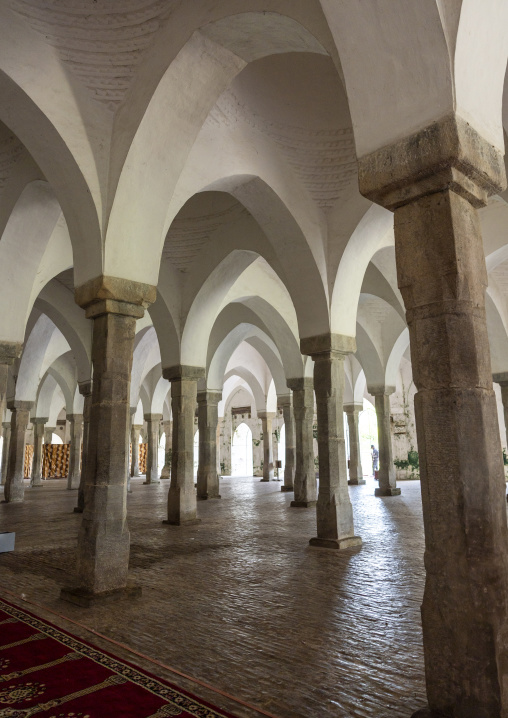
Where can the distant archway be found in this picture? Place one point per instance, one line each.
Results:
(281, 450)
(241, 451)
(161, 453)
(368, 435)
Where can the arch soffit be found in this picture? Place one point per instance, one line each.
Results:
(205, 68)
(37, 356)
(254, 386)
(23, 244)
(53, 119)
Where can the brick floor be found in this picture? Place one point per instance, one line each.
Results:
(241, 602)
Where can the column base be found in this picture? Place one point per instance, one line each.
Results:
(164, 478)
(261, 480)
(387, 492)
(183, 522)
(77, 510)
(86, 599)
(349, 542)
(423, 713)
(207, 498)
(150, 482)
(36, 486)
(287, 488)
(72, 488)
(356, 482)
(303, 504)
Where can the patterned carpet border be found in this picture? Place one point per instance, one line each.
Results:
(157, 686)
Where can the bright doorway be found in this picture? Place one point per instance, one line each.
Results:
(241, 452)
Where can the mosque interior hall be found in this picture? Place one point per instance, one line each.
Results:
(253, 359)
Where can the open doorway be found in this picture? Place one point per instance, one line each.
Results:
(241, 451)
(367, 424)
(281, 450)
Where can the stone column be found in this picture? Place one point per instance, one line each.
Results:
(38, 425)
(14, 485)
(85, 389)
(152, 453)
(266, 421)
(182, 505)
(305, 484)
(6, 425)
(48, 434)
(286, 402)
(168, 434)
(76, 427)
(9, 352)
(135, 432)
(335, 526)
(386, 474)
(434, 181)
(208, 417)
(355, 462)
(103, 541)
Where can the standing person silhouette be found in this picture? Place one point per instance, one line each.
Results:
(375, 459)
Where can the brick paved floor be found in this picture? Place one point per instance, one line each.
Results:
(241, 602)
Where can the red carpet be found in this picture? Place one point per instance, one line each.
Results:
(48, 673)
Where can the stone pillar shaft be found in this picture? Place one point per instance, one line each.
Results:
(208, 417)
(335, 527)
(85, 389)
(355, 462)
(305, 484)
(152, 454)
(266, 421)
(461, 472)
(386, 474)
(434, 181)
(168, 434)
(290, 464)
(76, 430)
(103, 543)
(182, 507)
(14, 485)
(38, 426)
(5, 450)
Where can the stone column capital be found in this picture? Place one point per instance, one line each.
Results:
(152, 417)
(113, 295)
(73, 418)
(501, 378)
(209, 397)
(137, 427)
(300, 383)
(39, 420)
(183, 372)
(447, 154)
(266, 414)
(6, 424)
(380, 390)
(284, 400)
(10, 351)
(351, 408)
(16, 405)
(324, 345)
(85, 387)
